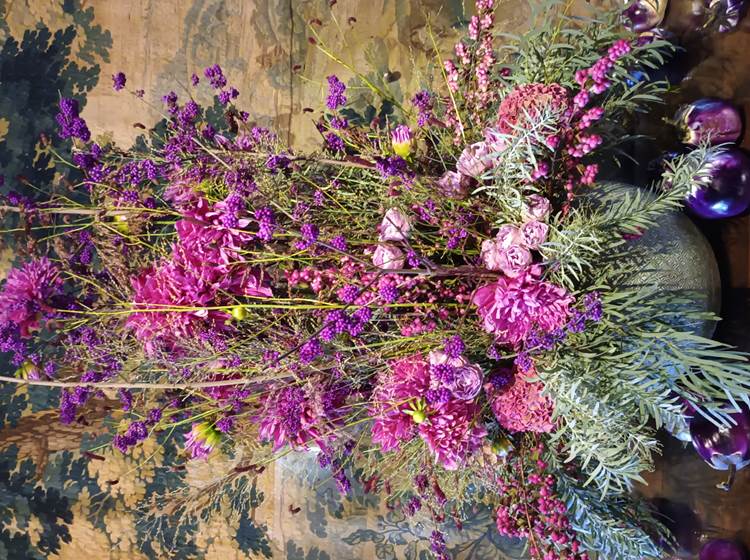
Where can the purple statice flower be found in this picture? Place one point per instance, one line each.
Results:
(266, 223)
(224, 97)
(137, 431)
(277, 162)
(70, 124)
(68, 408)
(437, 545)
(412, 506)
(126, 399)
(339, 243)
(523, 362)
(195, 80)
(338, 123)
(423, 101)
(501, 378)
(336, 97)
(593, 303)
(225, 424)
(215, 76)
(334, 142)
(208, 132)
(454, 347)
(28, 292)
(118, 81)
(153, 417)
(309, 233)
(170, 100)
(393, 166)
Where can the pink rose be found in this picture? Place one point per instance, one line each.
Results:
(451, 184)
(467, 377)
(474, 160)
(495, 140)
(514, 260)
(507, 236)
(467, 382)
(396, 226)
(534, 233)
(537, 208)
(491, 252)
(388, 257)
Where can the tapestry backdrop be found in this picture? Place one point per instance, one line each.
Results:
(60, 499)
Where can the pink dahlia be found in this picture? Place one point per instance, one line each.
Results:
(405, 380)
(512, 307)
(27, 293)
(530, 100)
(453, 432)
(520, 407)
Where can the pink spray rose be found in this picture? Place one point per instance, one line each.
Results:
(466, 381)
(396, 226)
(474, 160)
(512, 307)
(452, 185)
(388, 257)
(506, 252)
(537, 208)
(534, 233)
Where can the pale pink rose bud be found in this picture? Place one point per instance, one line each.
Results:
(451, 184)
(474, 160)
(508, 236)
(514, 260)
(537, 208)
(396, 226)
(491, 252)
(534, 233)
(388, 257)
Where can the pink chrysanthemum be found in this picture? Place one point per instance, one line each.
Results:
(406, 379)
(453, 432)
(531, 100)
(512, 307)
(520, 406)
(27, 293)
(168, 287)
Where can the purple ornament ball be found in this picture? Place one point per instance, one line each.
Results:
(726, 191)
(722, 549)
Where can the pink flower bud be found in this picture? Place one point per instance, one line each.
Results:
(534, 233)
(388, 257)
(396, 226)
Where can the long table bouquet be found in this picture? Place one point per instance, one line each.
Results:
(440, 299)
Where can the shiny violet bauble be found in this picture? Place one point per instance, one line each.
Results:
(721, 549)
(726, 192)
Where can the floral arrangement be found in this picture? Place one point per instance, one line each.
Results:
(440, 301)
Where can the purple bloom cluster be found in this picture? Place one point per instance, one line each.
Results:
(334, 142)
(309, 233)
(336, 97)
(70, 124)
(423, 101)
(393, 166)
(266, 223)
(215, 76)
(118, 81)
